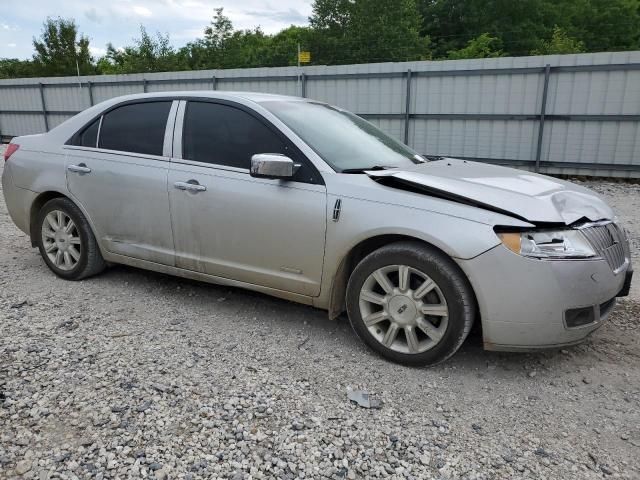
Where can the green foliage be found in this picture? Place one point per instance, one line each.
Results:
(524, 26)
(483, 46)
(559, 43)
(517, 24)
(147, 54)
(356, 31)
(362, 31)
(59, 48)
(15, 68)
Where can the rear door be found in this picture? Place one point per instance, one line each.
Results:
(117, 170)
(229, 224)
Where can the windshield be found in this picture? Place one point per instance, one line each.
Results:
(343, 140)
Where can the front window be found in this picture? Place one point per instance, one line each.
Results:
(343, 140)
(225, 135)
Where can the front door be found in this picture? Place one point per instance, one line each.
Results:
(120, 179)
(228, 224)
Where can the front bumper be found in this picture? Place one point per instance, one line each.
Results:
(523, 301)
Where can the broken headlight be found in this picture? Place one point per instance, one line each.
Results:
(567, 243)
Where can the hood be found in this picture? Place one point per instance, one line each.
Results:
(527, 196)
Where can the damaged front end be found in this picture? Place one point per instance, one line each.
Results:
(526, 196)
(567, 222)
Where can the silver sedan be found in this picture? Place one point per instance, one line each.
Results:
(308, 202)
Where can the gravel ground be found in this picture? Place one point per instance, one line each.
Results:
(135, 374)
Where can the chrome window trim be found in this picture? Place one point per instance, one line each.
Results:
(167, 145)
(216, 166)
(120, 153)
(99, 128)
(177, 130)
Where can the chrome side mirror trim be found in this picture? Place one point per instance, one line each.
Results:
(272, 165)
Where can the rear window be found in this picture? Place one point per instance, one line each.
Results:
(136, 128)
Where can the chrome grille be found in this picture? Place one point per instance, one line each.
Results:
(608, 241)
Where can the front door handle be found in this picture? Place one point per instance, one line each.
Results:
(191, 186)
(81, 168)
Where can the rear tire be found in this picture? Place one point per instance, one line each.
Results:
(410, 303)
(66, 241)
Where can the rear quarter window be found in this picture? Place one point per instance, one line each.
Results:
(88, 137)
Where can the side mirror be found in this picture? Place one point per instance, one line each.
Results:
(272, 165)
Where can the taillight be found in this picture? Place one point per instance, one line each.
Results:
(11, 149)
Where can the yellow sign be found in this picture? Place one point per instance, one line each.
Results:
(304, 57)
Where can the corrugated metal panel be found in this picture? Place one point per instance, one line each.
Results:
(26, 124)
(479, 108)
(55, 120)
(103, 92)
(74, 98)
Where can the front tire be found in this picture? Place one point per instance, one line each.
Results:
(410, 303)
(66, 242)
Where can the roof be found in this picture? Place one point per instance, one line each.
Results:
(257, 97)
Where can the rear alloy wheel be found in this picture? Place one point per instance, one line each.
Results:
(61, 240)
(410, 303)
(66, 242)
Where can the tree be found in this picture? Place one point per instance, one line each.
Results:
(360, 31)
(59, 47)
(519, 25)
(559, 43)
(219, 31)
(603, 25)
(148, 54)
(524, 25)
(15, 68)
(483, 46)
(282, 48)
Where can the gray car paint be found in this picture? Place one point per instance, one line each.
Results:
(315, 274)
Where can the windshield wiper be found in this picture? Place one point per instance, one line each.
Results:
(365, 169)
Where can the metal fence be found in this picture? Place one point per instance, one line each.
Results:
(563, 114)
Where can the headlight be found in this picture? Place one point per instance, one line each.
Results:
(548, 244)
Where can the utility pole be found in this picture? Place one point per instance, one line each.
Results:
(299, 85)
(77, 49)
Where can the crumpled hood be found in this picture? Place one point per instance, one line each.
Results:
(528, 196)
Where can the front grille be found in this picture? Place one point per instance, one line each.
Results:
(608, 241)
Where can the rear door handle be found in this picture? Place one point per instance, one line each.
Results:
(191, 186)
(82, 168)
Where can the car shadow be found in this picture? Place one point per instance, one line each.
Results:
(303, 320)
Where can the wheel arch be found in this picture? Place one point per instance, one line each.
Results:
(348, 263)
(41, 200)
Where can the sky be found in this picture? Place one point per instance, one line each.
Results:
(118, 21)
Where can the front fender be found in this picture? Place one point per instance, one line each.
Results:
(361, 220)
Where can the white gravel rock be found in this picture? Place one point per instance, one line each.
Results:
(134, 374)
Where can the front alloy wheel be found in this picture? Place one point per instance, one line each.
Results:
(404, 309)
(411, 303)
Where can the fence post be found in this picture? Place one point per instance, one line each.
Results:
(543, 111)
(407, 108)
(144, 85)
(44, 107)
(90, 88)
(214, 82)
(303, 85)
